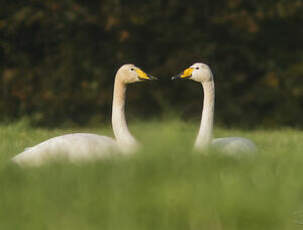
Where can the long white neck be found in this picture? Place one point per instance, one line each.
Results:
(204, 137)
(125, 140)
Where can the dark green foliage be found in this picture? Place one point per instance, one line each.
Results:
(58, 58)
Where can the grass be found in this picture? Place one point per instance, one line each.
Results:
(164, 186)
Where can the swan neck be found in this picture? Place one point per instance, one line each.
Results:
(204, 137)
(124, 138)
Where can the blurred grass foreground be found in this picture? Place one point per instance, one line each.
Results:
(164, 186)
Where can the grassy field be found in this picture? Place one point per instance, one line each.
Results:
(164, 186)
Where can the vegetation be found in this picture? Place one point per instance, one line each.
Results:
(164, 186)
(57, 63)
(58, 58)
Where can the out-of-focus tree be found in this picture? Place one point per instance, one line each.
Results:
(58, 58)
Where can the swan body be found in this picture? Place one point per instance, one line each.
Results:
(231, 145)
(80, 147)
(77, 147)
(201, 73)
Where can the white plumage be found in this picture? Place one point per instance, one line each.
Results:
(81, 147)
(201, 73)
(77, 147)
(231, 145)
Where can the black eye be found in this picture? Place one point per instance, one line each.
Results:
(132, 69)
(197, 67)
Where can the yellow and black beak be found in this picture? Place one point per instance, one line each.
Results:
(144, 76)
(184, 75)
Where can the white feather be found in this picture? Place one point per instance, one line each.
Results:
(230, 145)
(81, 147)
(77, 147)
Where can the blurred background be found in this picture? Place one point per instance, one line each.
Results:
(58, 59)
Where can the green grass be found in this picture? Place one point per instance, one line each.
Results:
(164, 186)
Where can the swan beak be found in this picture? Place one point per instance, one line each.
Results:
(184, 75)
(176, 77)
(152, 77)
(144, 76)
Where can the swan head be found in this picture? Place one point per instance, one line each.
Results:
(198, 72)
(130, 73)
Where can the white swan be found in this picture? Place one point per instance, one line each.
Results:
(78, 147)
(201, 73)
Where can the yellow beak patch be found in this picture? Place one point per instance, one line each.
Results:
(141, 74)
(187, 73)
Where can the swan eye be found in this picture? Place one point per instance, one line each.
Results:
(132, 69)
(197, 67)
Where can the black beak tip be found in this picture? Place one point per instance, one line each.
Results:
(175, 77)
(152, 77)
